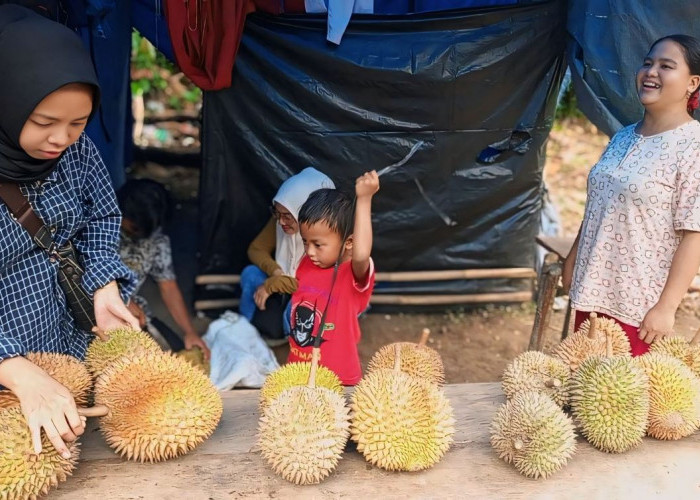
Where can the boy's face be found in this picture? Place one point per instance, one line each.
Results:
(322, 244)
(56, 122)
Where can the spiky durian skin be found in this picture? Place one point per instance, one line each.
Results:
(160, 406)
(610, 400)
(681, 349)
(419, 361)
(65, 369)
(400, 423)
(296, 374)
(24, 475)
(577, 347)
(674, 393)
(302, 433)
(544, 434)
(531, 371)
(121, 341)
(195, 357)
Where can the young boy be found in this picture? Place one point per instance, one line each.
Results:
(329, 235)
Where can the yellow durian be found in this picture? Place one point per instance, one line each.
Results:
(674, 392)
(24, 475)
(399, 422)
(590, 340)
(610, 401)
(535, 371)
(296, 374)
(417, 360)
(303, 431)
(195, 357)
(120, 341)
(681, 349)
(65, 369)
(160, 406)
(533, 433)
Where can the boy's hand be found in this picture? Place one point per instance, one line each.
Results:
(367, 184)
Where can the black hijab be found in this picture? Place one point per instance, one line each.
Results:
(37, 57)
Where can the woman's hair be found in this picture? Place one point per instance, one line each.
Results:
(691, 52)
(145, 202)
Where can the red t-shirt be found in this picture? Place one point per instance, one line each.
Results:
(342, 332)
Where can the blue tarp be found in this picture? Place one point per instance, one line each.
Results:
(608, 41)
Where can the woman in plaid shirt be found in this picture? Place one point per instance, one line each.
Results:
(48, 92)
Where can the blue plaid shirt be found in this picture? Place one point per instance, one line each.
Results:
(76, 202)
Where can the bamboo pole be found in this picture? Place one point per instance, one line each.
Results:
(473, 298)
(393, 277)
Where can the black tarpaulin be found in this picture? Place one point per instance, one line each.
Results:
(478, 87)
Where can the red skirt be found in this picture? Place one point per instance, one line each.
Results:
(638, 347)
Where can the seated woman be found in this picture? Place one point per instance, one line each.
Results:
(274, 276)
(146, 250)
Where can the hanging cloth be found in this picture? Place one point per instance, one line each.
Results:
(205, 35)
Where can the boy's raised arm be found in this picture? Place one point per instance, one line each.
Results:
(365, 187)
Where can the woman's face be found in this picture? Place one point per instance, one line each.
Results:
(285, 219)
(664, 79)
(56, 122)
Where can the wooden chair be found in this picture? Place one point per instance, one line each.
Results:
(547, 285)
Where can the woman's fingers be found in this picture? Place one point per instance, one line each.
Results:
(35, 431)
(54, 436)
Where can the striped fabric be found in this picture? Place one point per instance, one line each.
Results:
(76, 202)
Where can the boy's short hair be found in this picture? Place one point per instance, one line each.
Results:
(330, 206)
(146, 203)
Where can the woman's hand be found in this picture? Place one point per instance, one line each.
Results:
(657, 324)
(110, 311)
(194, 340)
(45, 403)
(260, 297)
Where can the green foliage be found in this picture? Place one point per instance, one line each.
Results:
(150, 73)
(568, 106)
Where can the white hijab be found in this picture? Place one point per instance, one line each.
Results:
(291, 195)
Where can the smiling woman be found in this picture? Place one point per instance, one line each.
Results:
(638, 247)
(48, 92)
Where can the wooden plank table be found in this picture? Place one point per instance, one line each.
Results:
(228, 466)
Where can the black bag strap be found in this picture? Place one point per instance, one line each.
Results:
(22, 212)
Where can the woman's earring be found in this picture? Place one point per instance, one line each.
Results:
(687, 94)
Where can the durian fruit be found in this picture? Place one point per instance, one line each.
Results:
(120, 341)
(534, 434)
(674, 397)
(590, 340)
(610, 401)
(417, 360)
(535, 371)
(65, 369)
(296, 374)
(400, 422)
(681, 349)
(25, 475)
(195, 357)
(303, 431)
(160, 406)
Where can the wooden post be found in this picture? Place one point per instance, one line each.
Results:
(546, 291)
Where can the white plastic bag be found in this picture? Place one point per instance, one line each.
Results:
(239, 356)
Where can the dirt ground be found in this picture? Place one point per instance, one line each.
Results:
(477, 343)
